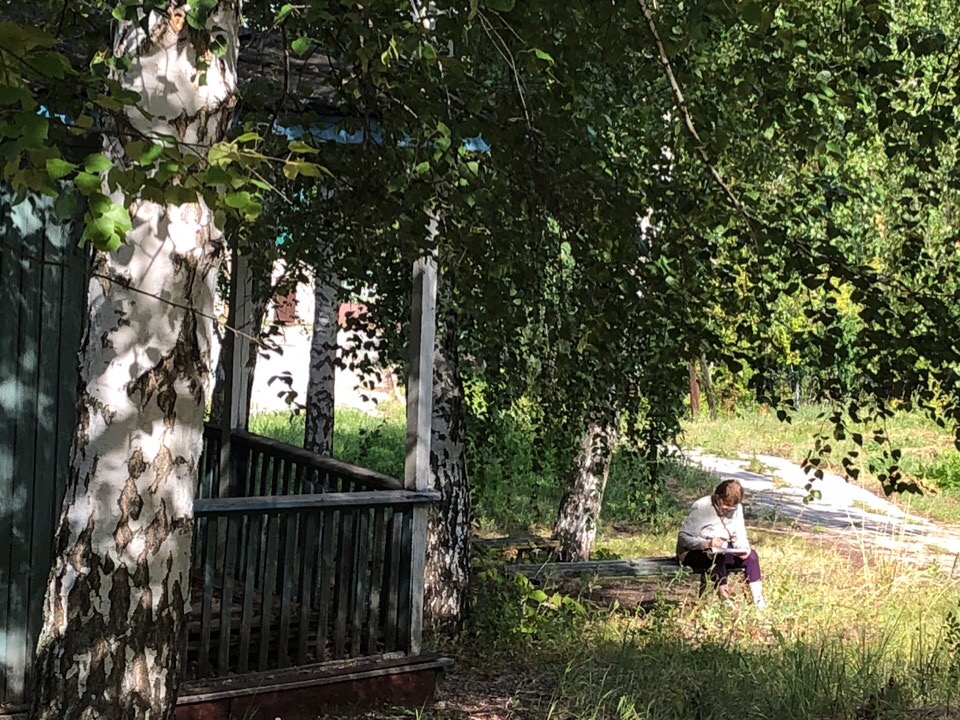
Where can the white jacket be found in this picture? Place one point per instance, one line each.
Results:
(704, 523)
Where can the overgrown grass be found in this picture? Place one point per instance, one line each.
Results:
(372, 441)
(851, 632)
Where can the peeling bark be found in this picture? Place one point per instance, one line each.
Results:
(318, 430)
(118, 592)
(447, 572)
(576, 525)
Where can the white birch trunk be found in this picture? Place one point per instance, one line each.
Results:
(318, 430)
(447, 572)
(576, 525)
(118, 593)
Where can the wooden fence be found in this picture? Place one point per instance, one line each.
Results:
(310, 563)
(42, 292)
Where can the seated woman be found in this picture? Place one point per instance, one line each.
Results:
(716, 523)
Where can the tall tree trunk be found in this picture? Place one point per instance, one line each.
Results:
(114, 613)
(694, 391)
(708, 386)
(318, 430)
(576, 525)
(447, 572)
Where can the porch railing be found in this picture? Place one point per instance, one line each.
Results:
(266, 467)
(296, 573)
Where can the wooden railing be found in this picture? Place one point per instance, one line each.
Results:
(265, 467)
(295, 580)
(295, 572)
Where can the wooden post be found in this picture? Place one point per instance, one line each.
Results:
(237, 349)
(694, 391)
(419, 411)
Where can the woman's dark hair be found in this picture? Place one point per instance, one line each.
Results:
(729, 492)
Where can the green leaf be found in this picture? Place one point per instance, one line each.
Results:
(301, 45)
(34, 130)
(282, 13)
(10, 95)
(58, 168)
(753, 13)
(298, 146)
(544, 56)
(151, 153)
(238, 200)
(87, 183)
(66, 206)
(96, 163)
(51, 64)
(217, 176)
(501, 5)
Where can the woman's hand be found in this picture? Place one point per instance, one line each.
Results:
(716, 542)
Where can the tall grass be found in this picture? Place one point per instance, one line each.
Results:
(375, 441)
(851, 632)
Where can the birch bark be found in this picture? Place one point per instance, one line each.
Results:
(576, 525)
(447, 571)
(318, 430)
(118, 592)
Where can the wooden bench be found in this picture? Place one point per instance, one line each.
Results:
(519, 546)
(664, 566)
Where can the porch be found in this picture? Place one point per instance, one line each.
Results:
(305, 564)
(307, 581)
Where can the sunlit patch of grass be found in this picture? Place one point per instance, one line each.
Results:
(375, 441)
(849, 632)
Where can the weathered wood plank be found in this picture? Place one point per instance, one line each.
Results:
(233, 540)
(269, 588)
(345, 579)
(408, 627)
(393, 584)
(423, 327)
(309, 560)
(208, 541)
(29, 218)
(9, 299)
(362, 476)
(361, 581)
(299, 503)
(251, 561)
(288, 569)
(519, 542)
(378, 559)
(329, 549)
(43, 493)
(636, 567)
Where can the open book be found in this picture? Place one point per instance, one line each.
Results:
(729, 550)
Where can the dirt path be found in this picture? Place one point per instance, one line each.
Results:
(778, 492)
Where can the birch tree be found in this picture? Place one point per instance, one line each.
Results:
(447, 572)
(579, 511)
(321, 380)
(115, 607)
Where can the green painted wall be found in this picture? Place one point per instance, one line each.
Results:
(41, 316)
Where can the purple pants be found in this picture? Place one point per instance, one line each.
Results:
(720, 565)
